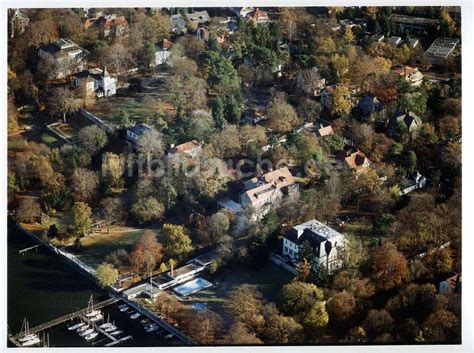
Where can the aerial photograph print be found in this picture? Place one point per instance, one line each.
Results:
(233, 176)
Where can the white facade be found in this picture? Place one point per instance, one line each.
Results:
(98, 81)
(321, 238)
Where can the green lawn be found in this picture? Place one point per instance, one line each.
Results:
(50, 140)
(96, 248)
(110, 108)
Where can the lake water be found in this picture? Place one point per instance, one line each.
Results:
(42, 287)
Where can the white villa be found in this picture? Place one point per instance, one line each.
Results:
(325, 241)
(97, 81)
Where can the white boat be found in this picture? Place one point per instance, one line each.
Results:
(91, 336)
(104, 326)
(86, 332)
(116, 333)
(111, 328)
(82, 328)
(26, 338)
(152, 328)
(135, 316)
(96, 318)
(31, 342)
(90, 309)
(93, 313)
(76, 326)
(124, 308)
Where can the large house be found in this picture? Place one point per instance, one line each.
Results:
(67, 57)
(411, 74)
(96, 81)
(109, 26)
(325, 242)
(163, 52)
(264, 191)
(198, 18)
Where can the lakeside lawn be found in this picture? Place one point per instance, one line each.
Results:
(268, 279)
(97, 247)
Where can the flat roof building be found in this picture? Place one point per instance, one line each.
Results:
(412, 23)
(185, 273)
(440, 50)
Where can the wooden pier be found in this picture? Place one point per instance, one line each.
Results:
(62, 319)
(120, 340)
(22, 252)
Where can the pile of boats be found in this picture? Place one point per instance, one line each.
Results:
(124, 308)
(84, 330)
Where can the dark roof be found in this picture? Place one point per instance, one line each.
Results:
(87, 73)
(308, 235)
(369, 105)
(61, 45)
(408, 119)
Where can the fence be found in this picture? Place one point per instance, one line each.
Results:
(97, 121)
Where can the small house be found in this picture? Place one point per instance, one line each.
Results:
(259, 16)
(413, 182)
(325, 131)
(191, 149)
(254, 115)
(353, 159)
(135, 132)
(163, 51)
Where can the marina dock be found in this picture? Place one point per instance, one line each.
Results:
(62, 319)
